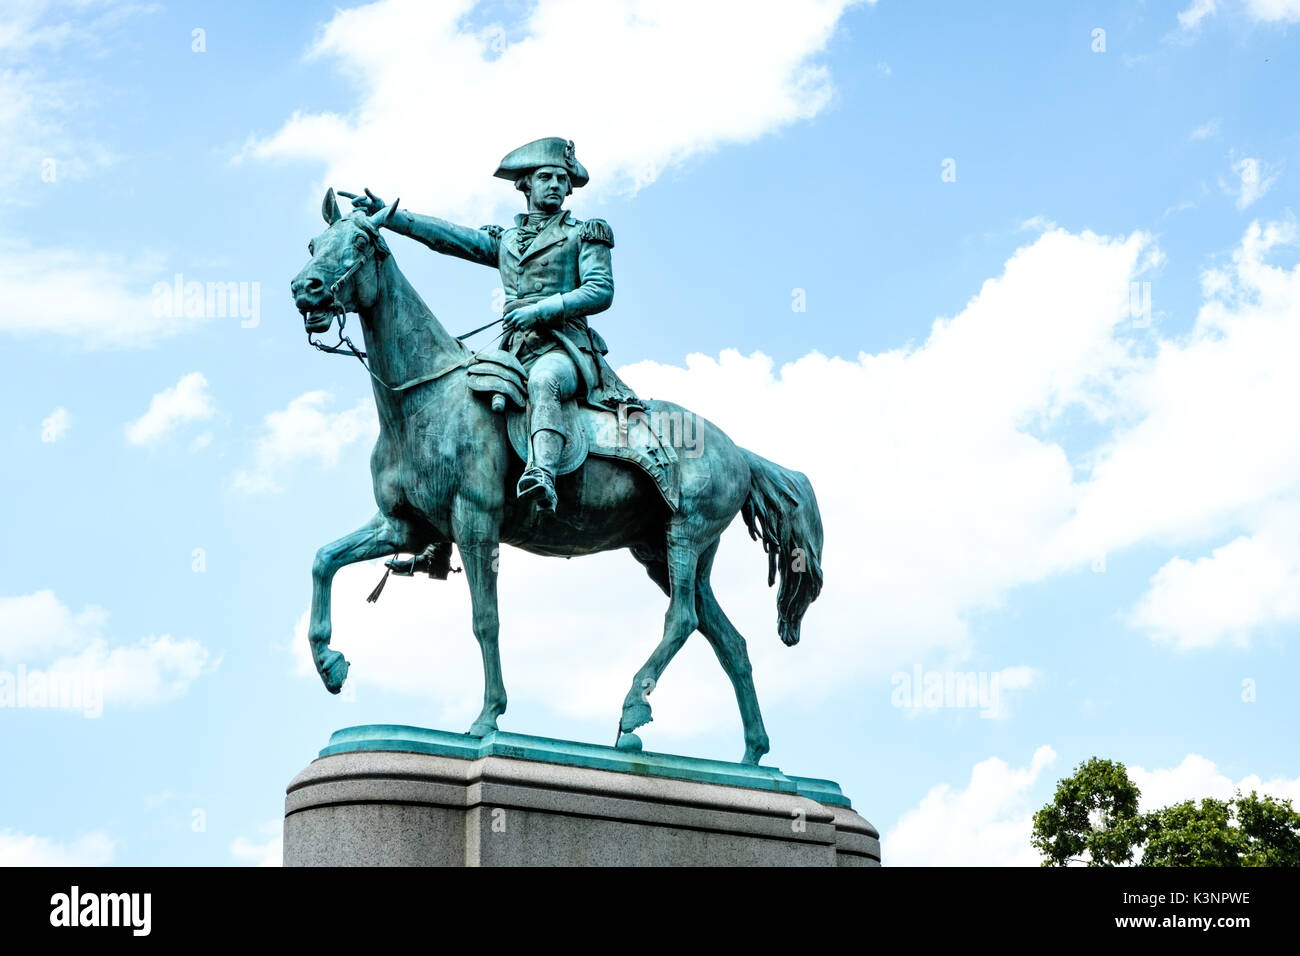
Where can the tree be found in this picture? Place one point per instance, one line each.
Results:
(1188, 835)
(1093, 812)
(1093, 818)
(1272, 831)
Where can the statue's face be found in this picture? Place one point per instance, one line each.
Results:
(547, 187)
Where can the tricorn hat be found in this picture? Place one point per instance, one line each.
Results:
(551, 151)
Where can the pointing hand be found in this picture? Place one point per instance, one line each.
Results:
(369, 203)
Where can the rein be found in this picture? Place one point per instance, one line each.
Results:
(337, 348)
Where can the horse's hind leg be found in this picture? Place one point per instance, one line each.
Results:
(729, 645)
(380, 536)
(683, 558)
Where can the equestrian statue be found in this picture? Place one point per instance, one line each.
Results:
(538, 443)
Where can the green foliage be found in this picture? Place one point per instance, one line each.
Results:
(1272, 831)
(1093, 817)
(1188, 835)
(1093, 811)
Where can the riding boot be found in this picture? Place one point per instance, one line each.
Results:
(538, 478)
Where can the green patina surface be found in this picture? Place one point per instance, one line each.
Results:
(574, 754)
(446, 474)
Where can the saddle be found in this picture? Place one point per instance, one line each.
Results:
(633, 433)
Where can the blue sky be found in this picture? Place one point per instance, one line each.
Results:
(1095, 506)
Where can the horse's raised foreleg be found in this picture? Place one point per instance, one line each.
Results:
(476, 534)
(680, 621)
(729, 645)
(380, 536)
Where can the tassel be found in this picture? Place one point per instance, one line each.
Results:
(379, 588)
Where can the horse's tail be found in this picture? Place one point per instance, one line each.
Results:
(781, 511)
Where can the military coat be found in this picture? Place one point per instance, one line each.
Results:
(568, 258)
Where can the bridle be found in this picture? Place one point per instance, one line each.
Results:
(341, 313)
(380, 248)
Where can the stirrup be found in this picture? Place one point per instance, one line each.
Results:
(537, 482)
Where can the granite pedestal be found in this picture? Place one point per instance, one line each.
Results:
(402, 796)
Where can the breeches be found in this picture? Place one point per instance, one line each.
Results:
(552, 379)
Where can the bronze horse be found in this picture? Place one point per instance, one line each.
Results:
(444, 472)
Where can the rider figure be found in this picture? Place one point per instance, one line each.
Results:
(555, 271)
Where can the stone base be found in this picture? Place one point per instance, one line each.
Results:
(401, 796)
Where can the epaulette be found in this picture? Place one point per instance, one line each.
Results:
(597, 230)
(493, 231)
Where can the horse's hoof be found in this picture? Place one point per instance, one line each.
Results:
(636, 713)
(333, 671)
(482, 728)
(628, 742)
(754, 752)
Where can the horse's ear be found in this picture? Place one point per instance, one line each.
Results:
(385, 215)
(329, 208)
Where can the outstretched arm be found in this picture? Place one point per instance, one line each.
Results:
(476, 245)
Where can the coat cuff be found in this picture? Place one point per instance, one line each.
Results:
(552, 310)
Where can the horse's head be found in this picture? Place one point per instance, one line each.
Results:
(338, 279)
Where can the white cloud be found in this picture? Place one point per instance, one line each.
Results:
(270, 852)
(39, 107)
(1038, 224)
(152, 670)
(27, 30)
(1196, 778)
(56, 425)
(989, 823)
(24, 849)
(739, 70)
(1253, 179)
(99, 300)
(305, 432)
(923, 691)
(186, 401)
(1251, 582)
(38, 625)
(1195, 452)
(40, 150)
(1191, 18)
(21, 30)
(39, 635)
(1021, 677)
(1274, 11)
(1206, 130)
(1261, 11)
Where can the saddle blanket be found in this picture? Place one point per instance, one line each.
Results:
(645, 436)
